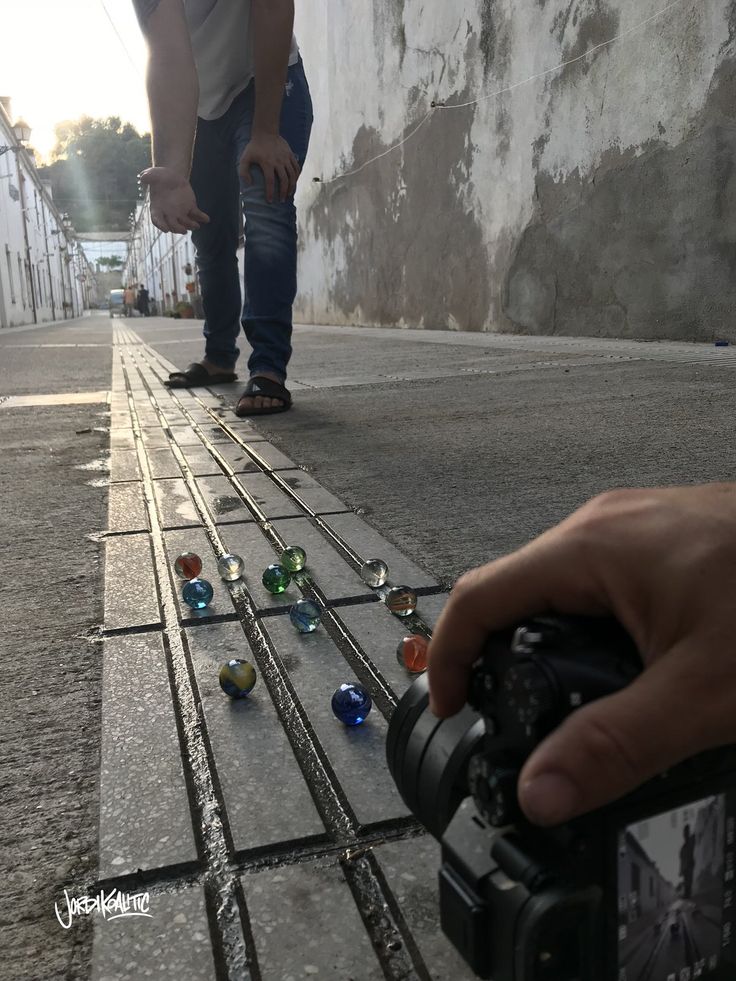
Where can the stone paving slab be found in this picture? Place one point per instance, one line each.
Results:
(367, 542)
(162, 463)
(130, 587)
(411, 869)
(237, 457)
(127, 509)
(270, 499)
(320, 500)
(266, 798)
(122, 439)
(357, 753)
(124, 466)
(174, 944)
(306, 925)
(144, 812)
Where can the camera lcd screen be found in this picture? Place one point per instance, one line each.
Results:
(675, 892)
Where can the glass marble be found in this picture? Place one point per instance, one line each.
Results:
(276, 578)
(238, 678)
(351, 704)
(230, 567)
(374, 572)
(197, 593)
(305, 615)
(188, 565)
(412, 653)
(293, 558)
(401, 600)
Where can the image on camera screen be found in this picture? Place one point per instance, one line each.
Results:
(670, 893)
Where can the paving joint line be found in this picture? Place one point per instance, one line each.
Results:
(223, 908)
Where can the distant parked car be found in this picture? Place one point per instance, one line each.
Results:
(117, 303)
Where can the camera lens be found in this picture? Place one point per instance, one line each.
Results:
(428, 757)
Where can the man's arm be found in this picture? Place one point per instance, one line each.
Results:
(173, 93)
(272, 22)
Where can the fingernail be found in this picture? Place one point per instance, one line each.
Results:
(550, 798)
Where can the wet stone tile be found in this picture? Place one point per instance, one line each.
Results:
(305, 925)
(266, 798)
(145, 820)
(325, 563)
(316, 668)
(124, 465)
(411, 868)
(223, 500)
(175, 504)
(367, 542)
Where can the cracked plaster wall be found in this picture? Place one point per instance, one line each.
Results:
(596, 200)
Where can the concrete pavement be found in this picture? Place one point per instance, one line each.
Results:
(270, 839)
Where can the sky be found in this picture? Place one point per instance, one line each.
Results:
(62, 59)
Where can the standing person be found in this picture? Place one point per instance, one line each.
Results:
(143, 300)
(687, 862)
(231, 116)
(128, 300)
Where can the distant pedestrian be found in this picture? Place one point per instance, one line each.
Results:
(129, 301)
(687, 862)
(143, 301)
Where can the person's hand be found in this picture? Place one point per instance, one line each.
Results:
(173, 205)
(274, 156)
(663, 562)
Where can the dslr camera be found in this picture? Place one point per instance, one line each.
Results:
(640, 890)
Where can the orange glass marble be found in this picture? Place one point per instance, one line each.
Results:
(412, 653)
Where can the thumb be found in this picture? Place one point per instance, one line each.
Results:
(608, 748)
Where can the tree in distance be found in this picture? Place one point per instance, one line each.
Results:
(94, 171)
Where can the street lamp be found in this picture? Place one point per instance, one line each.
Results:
(22, 133)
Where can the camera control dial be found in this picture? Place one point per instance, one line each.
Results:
(494, 790)
(528, 694)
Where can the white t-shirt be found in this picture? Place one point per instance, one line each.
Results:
(222, 46)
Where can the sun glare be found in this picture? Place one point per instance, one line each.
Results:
(66, 60)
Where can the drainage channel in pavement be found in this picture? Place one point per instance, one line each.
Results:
(270, 837)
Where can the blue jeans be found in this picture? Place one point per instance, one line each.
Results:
(270, 234)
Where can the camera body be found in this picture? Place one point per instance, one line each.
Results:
(641, 890)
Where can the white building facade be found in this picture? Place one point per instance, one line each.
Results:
(44, 273)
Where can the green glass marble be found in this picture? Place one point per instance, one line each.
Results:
(293, 558)
(276, 578)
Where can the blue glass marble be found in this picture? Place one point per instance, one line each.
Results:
(238, 678)
(305, 615)
(351, 704)
(276, 578)
(197, 593)
(293, 558)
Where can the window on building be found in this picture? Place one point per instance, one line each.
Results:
(10, 274)
(23, 282)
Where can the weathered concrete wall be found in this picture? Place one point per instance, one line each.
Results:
(599, 199)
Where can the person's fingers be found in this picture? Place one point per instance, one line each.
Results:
(549, 574)
(293, 171)
(199, 216)
(245, 165)
(175, 225)
(284, 181)
(268, 173)
(608, 748)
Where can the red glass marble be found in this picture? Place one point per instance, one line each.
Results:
(188, 565)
